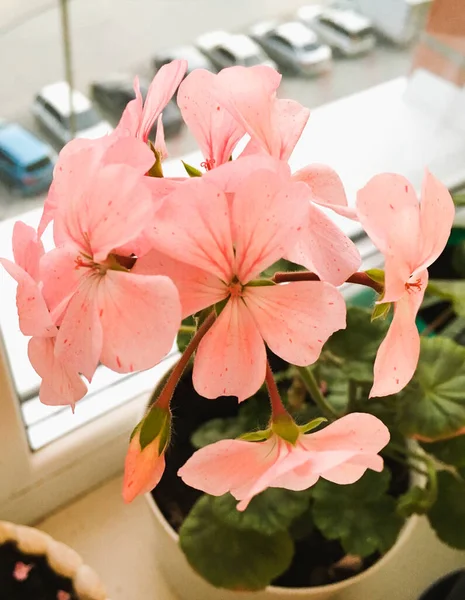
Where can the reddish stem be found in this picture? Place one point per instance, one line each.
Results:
(360, 278)
(167, 392)
(277, 406)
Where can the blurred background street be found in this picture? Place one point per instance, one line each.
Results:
(122, 36)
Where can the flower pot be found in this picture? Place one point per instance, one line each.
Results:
(372, 584)
(61, 559)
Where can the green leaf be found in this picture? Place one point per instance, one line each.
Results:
(381, 311)
(361, 516)
(216, 430)
(191, 171)
(260, 283)
(376, 274)
(447, 516)
(156, 423)
(451, 452)
(232, 558)
(303, 525)
(271, 511)
(432, 406)
(357, 345)
(313, 424)
(416, 500)
(453, 290)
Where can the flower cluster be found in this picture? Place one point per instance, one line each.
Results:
(136, 252)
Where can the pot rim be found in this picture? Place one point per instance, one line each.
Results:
(402, 539)
(62, 559)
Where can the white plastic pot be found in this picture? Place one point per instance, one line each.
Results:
(62, 559)
(389, 578)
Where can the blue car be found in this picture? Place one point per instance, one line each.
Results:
(26, 163)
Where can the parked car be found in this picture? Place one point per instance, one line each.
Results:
(26, 163)
(398, 20)
(345, 30)
(227, 50)
(51, 108)
(294, 47)
(113, 94)
(195, 58)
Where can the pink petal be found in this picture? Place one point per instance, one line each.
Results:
(197, 288)
(299, 478)
(296, 319)
(389, 212)
(326, 187)
(128, 151)
(193, 226)
(215, 130)
(160, 92)
(248, 94)
(34, 317)
(160, 144)
(60, 278)
(27, 249)
(231, 358)
(140, 316)
(437, 213)
(79, 340)
(132, 115)
(323, 248)
(354, 469)
(397, 357)
(291, 118)
(266, 213)
(143, 469)
(106, 215)
(229, 465)
(61, 385)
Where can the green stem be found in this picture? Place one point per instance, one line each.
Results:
(277, 406)
(314, 390)
(405, 462)
(409, 454)
(360, 278)
(187, 329)
(167, 392)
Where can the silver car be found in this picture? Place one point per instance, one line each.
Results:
(226, 50)
(51, 108)
(294, 47)
(345, 30)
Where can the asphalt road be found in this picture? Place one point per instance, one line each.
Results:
(121, 36)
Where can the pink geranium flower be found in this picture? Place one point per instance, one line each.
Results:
(213, 250)
(275, 126)
(341, 453)
(411, 235)
(105, 313)
(139, 117)
(214, 128)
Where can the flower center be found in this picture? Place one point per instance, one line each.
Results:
(208, 164)
(235, 289)
(413, 287)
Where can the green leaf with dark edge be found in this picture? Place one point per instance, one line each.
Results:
(232, 558)
(458, 259)
(381, 311)
(453, 290)
(432, 406)
(191, 171)
(155, 423)
(271, 511)
(459, 199)
(261, 283)
(361, 516)
(451, 451)
(416, 501)
(357, 345)
(216, 430)
(184, 337)
(447, 516)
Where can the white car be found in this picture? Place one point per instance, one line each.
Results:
(226, 50)
(345, 30)
(294, 47)
(51, 108)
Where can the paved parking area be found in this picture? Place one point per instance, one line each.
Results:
(111, 36)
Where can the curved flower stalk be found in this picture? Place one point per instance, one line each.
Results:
(213, 251)
(411, 235)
